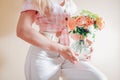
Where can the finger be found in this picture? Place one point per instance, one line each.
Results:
(88, 57)
(91, 50)
(72, 59)
(77, 54)
(75, 58)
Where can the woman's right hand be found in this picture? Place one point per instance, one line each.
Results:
(67, 53)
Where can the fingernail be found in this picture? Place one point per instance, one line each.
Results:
(77, 59)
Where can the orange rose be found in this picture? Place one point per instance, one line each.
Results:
(100, 23)
(84, 21)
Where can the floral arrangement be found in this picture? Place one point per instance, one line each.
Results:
(79, 28)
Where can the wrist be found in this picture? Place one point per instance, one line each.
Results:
(60, 48)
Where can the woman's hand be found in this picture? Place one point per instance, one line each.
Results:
(88, 57)
(68, 54)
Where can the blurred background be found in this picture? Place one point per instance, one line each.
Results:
(105, 57)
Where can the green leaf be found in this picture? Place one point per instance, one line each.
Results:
(74, 31)
(89, 14)
(95, 26)
(93, 36)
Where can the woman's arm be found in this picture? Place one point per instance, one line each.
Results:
(30, 35)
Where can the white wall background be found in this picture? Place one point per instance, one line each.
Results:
(107, 45)
(107, 49)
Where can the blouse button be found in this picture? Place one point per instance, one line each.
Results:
(66, 18)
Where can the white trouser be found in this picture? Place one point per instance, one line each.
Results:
(42, 65)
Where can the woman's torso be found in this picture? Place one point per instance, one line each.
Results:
(55, 23)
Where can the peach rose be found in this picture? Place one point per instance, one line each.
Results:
(84, 21)
(71, 23)
(100, 23)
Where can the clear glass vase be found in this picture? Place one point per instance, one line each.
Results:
(80, 46)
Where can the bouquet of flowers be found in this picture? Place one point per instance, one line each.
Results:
(82, 28)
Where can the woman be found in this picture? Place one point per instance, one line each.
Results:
(49, 56)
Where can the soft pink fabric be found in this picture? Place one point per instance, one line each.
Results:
(54, 23)
(28, 6)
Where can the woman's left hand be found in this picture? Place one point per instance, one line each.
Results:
(88, 57)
